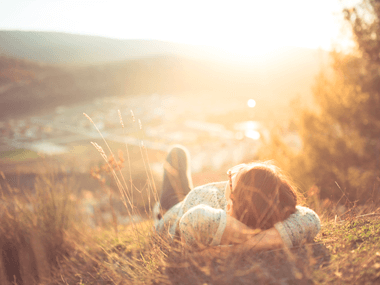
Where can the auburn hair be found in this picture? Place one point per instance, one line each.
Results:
(262, 196)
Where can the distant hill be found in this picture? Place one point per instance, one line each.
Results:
(54, 47)
(28, 87)
(41, 70)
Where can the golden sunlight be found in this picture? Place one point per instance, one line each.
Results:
(253, 134)
(247, 29)
(251, 103)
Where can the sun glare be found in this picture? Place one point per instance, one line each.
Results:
(251, 103)
(244, 30)
(255, 135)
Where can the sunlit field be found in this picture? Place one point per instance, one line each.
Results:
(61, 233)
(92, 224)
(87, 121)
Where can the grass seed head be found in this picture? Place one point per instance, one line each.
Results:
(133, 116)
(121, 119)
(140, 125)
(88, 117)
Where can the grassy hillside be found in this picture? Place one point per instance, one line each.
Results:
(46, 238)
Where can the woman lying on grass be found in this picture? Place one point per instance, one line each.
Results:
(256, 208)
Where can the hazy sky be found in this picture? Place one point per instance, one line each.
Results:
(245, 27)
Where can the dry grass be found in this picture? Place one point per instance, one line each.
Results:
(33, 230)
(44, 239)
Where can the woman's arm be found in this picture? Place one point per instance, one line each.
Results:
(238, 233)
(301, 226)
(304, 224)
(203, 226)
(249, 240)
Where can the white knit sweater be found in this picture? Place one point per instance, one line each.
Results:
(201, 219)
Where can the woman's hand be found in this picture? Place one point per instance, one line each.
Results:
(264, 240)
(246, 238)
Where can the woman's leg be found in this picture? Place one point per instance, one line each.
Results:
(177, 177)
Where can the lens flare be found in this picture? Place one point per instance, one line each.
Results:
(251, 103)
(255, 135)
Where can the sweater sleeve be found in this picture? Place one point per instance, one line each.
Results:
(302, 225)
(202, 226)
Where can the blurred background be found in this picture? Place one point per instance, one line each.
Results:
(296, 82)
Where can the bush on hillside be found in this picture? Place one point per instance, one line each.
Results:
(341, 147)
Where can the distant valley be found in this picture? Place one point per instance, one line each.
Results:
(42, 70)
